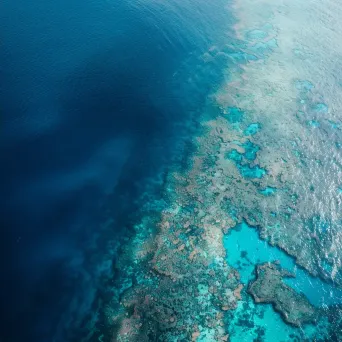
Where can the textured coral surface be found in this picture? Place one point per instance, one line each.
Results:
(270, 288)
(270, 135)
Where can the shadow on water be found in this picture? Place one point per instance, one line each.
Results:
(66, 174)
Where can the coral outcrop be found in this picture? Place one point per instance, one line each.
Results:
(269, 287)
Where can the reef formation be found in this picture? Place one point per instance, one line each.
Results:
(269, 154)
(269, 288)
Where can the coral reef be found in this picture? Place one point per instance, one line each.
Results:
(268, 287)
(298, 117)
(270, 133)
(187, 286)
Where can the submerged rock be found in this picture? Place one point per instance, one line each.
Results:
(268, 287)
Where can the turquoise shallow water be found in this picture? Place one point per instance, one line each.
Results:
(258, 322)
(245, 250)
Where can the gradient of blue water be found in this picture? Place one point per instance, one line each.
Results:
(94, 105)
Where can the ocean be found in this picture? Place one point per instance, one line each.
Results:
(171, 171)
(97, 101)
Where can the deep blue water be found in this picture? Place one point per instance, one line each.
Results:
(95, 102)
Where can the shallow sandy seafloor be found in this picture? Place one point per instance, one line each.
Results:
(269, 163)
